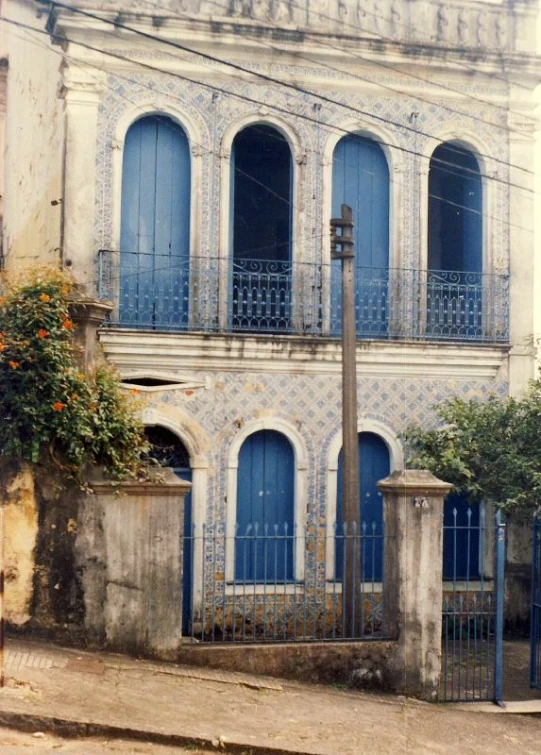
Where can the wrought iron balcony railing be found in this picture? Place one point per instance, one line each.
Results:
(170, 293)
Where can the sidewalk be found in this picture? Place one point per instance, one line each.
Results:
(81, 694)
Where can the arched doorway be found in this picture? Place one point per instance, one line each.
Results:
(261, 229)
(264, 542)
(168, 449)
(374, 465)
(455, 244)
(361, 180)
(155, 225)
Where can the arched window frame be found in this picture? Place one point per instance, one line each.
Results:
(472, 143)
(396, 459)
(297, 167)
(390, 148)
(195, 442)
(300, 489)
(195, 140)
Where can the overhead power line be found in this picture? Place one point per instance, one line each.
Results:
(118, 24)
(371, 61)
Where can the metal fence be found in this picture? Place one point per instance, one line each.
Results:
(168, 292)
(472, 608)
(277, 583)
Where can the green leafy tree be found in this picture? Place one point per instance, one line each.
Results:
(489, 450)
(51, 411)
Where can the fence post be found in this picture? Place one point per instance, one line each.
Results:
(413, 512)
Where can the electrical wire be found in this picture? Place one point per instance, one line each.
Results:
(118, 24)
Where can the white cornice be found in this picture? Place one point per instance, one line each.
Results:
(132, 350)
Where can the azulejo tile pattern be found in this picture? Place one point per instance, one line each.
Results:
(312, 404)
(408, 124)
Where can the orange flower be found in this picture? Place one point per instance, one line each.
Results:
(2, 347)
(58, 406)
(42, 333)
(68, 324)
(74, 397)
(14, 365)
(45, 298)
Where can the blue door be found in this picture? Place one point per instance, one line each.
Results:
(155, 225)
(374, 465)
(361, 180)
(264, 542)
(462, 531)
(455, 245)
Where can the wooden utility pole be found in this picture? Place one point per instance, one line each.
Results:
(343, 248)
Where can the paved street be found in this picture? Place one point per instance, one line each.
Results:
(20, 743)
(131, 706)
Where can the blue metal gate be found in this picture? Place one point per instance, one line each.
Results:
(472, 643)
(535, 637)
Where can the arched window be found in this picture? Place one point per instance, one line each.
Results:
(374, 465)
(169, 451)
(264, 542)
(155, 225)
(261, 230)
(455, 244)
(361, 180)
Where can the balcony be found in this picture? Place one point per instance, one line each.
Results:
(165, 293)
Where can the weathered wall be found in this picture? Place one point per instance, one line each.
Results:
(129, 554)
(34, 142)
(366, 665)
(518, 574)
(20, 536)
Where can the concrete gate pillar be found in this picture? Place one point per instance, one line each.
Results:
(413, 511)
(130, 555)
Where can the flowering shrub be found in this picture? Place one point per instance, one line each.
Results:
(50, 410)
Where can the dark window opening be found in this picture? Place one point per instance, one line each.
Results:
(166, 448)
(261, 197)
(455, 211)
(455, 245)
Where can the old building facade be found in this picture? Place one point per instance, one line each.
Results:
(184, 159)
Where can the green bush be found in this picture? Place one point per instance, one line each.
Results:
(52, 411)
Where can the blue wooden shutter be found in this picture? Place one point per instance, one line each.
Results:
(374, 465)
(155, 228)
(361, 180)
(265, 508)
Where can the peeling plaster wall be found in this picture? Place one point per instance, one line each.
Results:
(34, 143)
(20, 537)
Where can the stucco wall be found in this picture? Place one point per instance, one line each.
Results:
(34, 142)
(20, 536)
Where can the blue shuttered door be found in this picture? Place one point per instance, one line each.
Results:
(185, 473)
(155, 229)
(374, 465)
(361, 180)
(265, 509)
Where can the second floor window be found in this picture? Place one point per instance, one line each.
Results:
(361, 180)
(455, 306)
(155, 225)
(261, 230)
